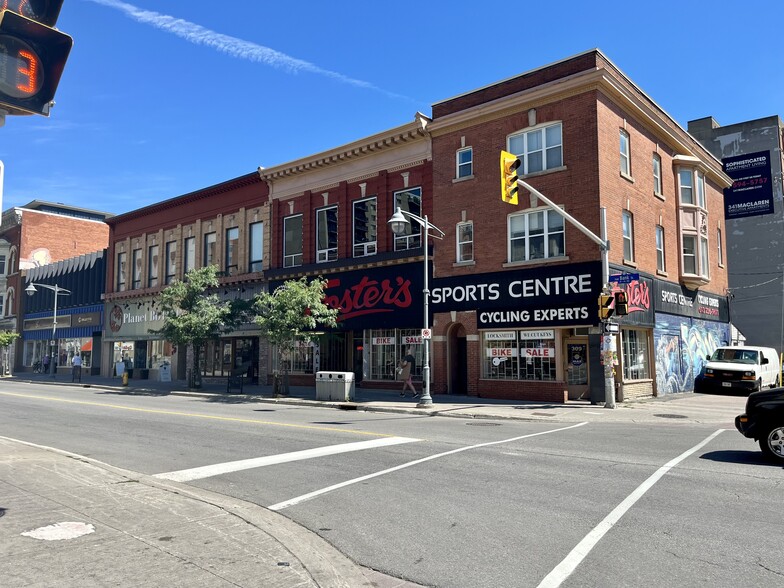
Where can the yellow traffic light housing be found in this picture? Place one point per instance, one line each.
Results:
(509, 165)
(621, 303)
(605, 306)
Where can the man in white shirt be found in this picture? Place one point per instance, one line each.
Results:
(76, 370)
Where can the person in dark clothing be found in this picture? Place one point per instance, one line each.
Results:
(407, 364)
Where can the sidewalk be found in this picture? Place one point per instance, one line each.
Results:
(677, 408)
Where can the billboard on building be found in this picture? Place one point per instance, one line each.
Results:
(751, 193)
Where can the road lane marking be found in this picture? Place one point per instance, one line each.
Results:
(564, 569)
(314, 494)
(195, 415)
(258, 462)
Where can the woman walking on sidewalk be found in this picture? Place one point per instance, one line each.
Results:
(407, 369)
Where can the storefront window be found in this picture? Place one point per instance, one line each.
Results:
(387, 347)
(519, 355)
(160, 353)
(300, 360)
(635, 355)
(67, 348)
(34, 352)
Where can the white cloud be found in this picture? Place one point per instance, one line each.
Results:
(232, 46)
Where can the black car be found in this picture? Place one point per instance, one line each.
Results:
(763, 421)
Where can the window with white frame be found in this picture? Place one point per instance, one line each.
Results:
(136, 259)
(210, 246)
(657, 174)
(120, 269)
(232, 248)
(660, 248)
(628, 236)
(690, 254)
(704, 262)
(465, 242)
(536, 235)
(189, 255)
(518, 355)
(686, 186)
(636, 364)
(327, 234)
(538, 149)
(365, 226)
(719, 251)
(409, 200)
(700, 189)
(465, 162)
(152, 266)
(626, 164)
(292, 241)
(255, 246)
(171, 262)
(2, 265)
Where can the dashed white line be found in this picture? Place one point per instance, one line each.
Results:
(564, 569)
(309, 496)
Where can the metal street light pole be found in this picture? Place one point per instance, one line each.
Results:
(57, 292)
(398, 223)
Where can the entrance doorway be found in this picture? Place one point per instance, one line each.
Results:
(457, 350)
(575, 354)
(336, 355)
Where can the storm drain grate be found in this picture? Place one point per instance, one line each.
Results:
(671, 416)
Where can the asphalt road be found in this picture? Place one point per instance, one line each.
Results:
(450, 502)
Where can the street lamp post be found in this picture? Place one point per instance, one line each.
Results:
(399, 223)
(57, 292)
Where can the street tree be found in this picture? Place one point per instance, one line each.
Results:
(291, 315)
(6, 339)
(194, 314)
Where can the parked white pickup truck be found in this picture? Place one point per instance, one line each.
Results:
(745, 369)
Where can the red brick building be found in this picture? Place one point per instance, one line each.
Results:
(507, 321)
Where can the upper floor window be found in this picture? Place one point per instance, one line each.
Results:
(189, 254)
(2, 265)
(171, 262)
(626, 164)
(628, 236)
(122, 263)
(719, 251)
(255, 247)
(327, 234)
(12, 262)
(538, 150)
(409, 201)
(232, 246)
(136, 261)
(536, 235)
(152, 266)
(2, 305)
(692, 187)
(365, 226)
(292, 241)
(465, 242)
(660, 248)
(695, 256)
(465, 162)
(657, 177)
(210, 244)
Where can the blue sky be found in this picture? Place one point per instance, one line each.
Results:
(159, 99)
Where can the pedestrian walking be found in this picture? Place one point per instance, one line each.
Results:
(76, 368)
(406, 367)
(46, 364)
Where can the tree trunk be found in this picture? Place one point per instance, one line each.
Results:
(195, 379)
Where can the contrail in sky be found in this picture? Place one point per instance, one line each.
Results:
(198, 35)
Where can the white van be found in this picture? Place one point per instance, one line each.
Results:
(741, 368)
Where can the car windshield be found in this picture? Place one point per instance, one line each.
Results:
(735, 355)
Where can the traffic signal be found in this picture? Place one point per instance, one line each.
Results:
(605, 309)
(621, 303)
(32, 55)
(509, 165)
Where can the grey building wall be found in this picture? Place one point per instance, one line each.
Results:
(755, 244)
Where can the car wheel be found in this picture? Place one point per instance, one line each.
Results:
(775, 383)
(772, 444)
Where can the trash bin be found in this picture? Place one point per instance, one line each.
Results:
(335, 386)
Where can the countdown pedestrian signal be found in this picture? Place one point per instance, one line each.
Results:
(32, 55)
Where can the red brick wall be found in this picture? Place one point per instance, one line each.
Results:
(62, 237)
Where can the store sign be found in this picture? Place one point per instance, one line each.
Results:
(563, 295)
(541, 334)
(383, 341)
(63, 320)
(751, 193)
(412, 340)
(502, 352)
(677, 300)
(135, 322)
(639, 293)
(539, 352)
(86, 319)
(500, 336)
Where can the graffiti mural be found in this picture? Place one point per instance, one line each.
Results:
(682, 344)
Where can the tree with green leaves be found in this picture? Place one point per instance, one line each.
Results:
(6, 339)
(194, 314)
(292, 314)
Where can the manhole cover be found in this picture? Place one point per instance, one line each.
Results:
(483, 424)
(671, 416)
